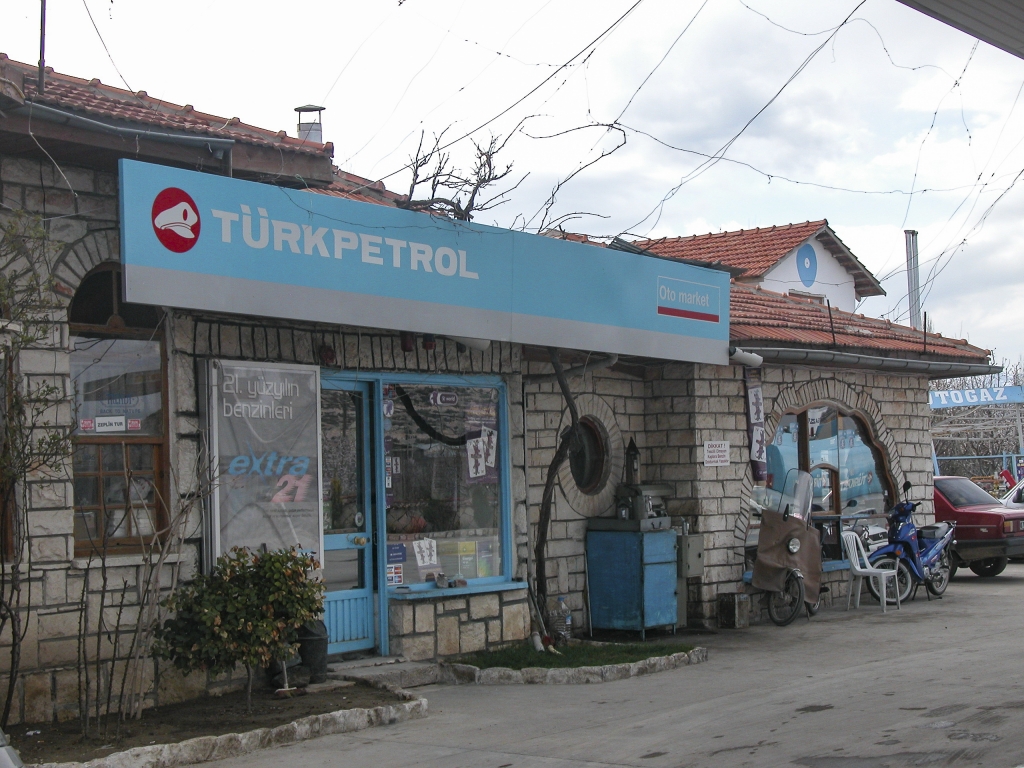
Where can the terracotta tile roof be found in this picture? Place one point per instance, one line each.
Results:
(755, 251)
(351, 187)
(91, 98)
(773, 319)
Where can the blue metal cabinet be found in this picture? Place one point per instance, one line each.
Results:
(632, 579)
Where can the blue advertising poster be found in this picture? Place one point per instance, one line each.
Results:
(207, 242)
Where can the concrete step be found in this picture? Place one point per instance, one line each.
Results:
(404, 674)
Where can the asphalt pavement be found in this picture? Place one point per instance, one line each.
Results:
(939, 683)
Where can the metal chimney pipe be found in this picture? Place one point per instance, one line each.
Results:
(913, 278)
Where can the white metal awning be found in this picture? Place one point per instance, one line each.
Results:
(997, 22)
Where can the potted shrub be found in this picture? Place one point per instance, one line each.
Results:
(248, 611)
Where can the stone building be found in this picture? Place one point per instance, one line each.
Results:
(178, 401)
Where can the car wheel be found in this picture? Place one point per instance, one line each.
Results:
(989, 567)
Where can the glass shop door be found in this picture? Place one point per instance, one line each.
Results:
(348, 515)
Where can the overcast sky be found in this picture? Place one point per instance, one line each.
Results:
(894, 102)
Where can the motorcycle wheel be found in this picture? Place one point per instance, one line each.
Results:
(941, 575)
(989, 567)
(784, 606)
(904, 580)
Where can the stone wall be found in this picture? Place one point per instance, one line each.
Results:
(437, 628)
(894, 408)
(671, 410)
(82, 219)
(79, 209)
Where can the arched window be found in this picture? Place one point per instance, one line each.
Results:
(118, 376)
(849, 471)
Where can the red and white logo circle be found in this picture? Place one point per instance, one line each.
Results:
(176, 219)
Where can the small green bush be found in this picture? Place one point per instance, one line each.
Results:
(247, 611)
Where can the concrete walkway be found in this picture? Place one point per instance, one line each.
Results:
(938, 683)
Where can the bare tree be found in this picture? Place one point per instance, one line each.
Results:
(33, 445)
(454, 193)
(567, 443)
(984, 429)
(117, 687)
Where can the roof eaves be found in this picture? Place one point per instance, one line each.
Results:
(865, 284)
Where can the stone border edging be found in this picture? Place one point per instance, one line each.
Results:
(203, 749)
(467, 674)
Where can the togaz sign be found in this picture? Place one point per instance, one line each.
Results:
(956, 398)
(205, 242)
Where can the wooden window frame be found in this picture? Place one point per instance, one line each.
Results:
(804, 447)
(129, 545)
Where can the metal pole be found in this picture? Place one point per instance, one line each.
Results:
(1020, 431)
(913, 279)
(42, 45)
(935, 461)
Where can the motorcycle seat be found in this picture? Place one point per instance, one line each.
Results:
(934, 531)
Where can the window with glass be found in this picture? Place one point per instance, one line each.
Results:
(117, 376)
(847, 469)
(837, 450)
(443, 482)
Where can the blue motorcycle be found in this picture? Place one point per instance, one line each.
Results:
(919, 555)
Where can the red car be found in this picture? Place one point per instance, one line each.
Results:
(987, 533)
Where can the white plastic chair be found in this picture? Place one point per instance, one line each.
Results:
(860, 568)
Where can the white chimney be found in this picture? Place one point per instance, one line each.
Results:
(310, 129)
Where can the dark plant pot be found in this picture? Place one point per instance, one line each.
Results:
(313, 649)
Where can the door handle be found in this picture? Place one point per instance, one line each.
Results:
(359, 541)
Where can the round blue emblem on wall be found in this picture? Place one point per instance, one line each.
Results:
(806, 264)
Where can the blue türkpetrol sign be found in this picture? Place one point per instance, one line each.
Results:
(958, 398)
(205, 242)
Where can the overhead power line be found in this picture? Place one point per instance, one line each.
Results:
(720, 153)
(593, 43)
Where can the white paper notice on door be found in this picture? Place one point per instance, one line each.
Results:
(426, 552)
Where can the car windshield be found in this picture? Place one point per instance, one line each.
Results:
(961, 492)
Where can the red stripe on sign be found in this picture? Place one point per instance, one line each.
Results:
(673, 312)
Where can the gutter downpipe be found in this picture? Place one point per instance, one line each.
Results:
(934, 369)
(223, 146)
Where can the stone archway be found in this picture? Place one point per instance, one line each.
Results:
(82, 256)
(852, 399)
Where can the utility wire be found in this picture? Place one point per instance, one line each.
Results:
(462, 88)
(596, 41)
(787, 29)
(780, 177)
(718, 155)
(661, 61)
(105, 48)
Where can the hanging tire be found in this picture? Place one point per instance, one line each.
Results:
(989, 567)
(784, 606)
(904, 580)
(941, 574)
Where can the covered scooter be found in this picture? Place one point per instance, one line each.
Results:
(788, 564)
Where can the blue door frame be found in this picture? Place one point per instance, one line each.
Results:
(349, 614)
(374, 384)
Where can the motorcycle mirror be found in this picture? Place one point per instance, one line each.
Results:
(851, 503)
(785, 515)
(907, 486)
